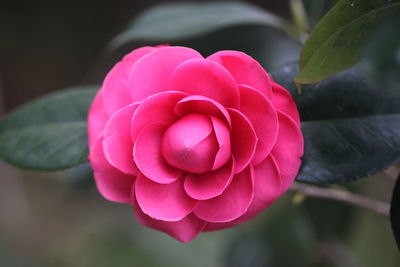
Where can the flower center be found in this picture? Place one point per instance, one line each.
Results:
(190, 144)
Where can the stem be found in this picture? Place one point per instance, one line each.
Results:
(377, 206)
(299, 15)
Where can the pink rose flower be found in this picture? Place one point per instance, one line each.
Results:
(193, 144)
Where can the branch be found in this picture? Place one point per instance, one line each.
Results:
(377, 206)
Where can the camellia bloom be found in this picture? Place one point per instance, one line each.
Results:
(193, 144)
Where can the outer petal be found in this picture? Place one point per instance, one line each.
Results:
(210, 184)
(288, 149)
(148, 156)
(243, 140)
(167, 202)
(202, 105)
(97, 119)
(267, 188)
(262, 115)
(116, 87)
(111, 183)
(117, 144)
(245, 70)
(184, 230)
(283, 101)
(151, 73)
(158, 108)
(233, 203)
(206, 78)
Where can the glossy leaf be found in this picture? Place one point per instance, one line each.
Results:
(395, 212)
(48, 133)
(181, 21)
(351, 129)
(337, 41)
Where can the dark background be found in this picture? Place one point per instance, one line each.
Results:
(48, 45)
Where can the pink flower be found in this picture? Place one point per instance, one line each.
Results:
(193, 144)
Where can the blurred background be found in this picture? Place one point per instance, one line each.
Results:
(59, 219)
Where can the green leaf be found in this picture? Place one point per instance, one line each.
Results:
(395, 212)
(181, 21)
(337, 41)
(351, 129)
(48, 133)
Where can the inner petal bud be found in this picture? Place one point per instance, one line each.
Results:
(190, 144)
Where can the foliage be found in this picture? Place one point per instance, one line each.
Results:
(337, 41)
(351, 129)
(49, 133)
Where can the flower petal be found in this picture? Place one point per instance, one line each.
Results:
(211, 184)
(245, 70)
(283, 101)
(202, 105)
(158, 108)
(288, 149)
(243, 140)
(116, 86)
(111, 183)
(267, 188)
(117, 144)
(148, 157)
(224, 142)
(232, 203)
(97, 119)
(151, 73)
(184, 230)
(262, 115)
(206, 78)
(167, 202)
(272, 177)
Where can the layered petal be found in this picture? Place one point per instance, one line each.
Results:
(117, 144)
(202, 105)
(243, 139)
(193, 144)
(158, 108)
(211, 184)
(148, 156)
(267, 188)
(97, 119)
(167, 202)
(233, 203)
(151, 73)
(184, 230)
(283, 101)
(111, 183)
(206, 78)
(262, 115)
(288, 149)
(245, 70)
(223, 138)
(116, 88)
